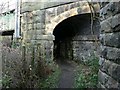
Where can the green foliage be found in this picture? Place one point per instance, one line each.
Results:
(21, 71)
(87, 74)
(52, 80)
(6, 80)
(93, 63)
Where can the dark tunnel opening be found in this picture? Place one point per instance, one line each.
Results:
(69, 28)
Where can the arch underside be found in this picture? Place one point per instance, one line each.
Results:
(73, 38)
(61, 13)
(70, 46)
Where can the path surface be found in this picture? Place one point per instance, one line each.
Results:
(67, 73)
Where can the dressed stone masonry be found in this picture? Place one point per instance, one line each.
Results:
(38, 20)
(109, 72)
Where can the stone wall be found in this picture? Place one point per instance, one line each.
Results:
(86, 42)
(85, 47)
(34, 26)
(109, 72)
(33, 36)
(74, 38)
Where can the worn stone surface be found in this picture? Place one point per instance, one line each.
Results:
(112, 54)
(111, 24)
(100, 85)
(109, 9)
(111, 69)
(114, 37)
(103, 77)
(114, 71)
(84, 50)
(39, 19)
(37, 5)
(109, 73)
(107, 81)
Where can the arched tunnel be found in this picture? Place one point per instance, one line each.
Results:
(67, 35)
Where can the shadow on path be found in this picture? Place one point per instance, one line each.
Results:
(67, 73)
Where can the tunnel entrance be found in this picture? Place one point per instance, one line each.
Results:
(68, 36)
(63, 49)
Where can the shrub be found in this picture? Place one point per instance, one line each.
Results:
(87, 74)
(18, 69)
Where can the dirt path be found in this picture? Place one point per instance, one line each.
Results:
(67, 73)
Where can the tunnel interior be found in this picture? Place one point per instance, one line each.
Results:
(66, 30)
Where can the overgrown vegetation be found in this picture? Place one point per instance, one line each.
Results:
(20, 71)
(87, 74)
(51, 81)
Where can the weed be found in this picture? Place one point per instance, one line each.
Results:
(87, 74)
(52, 80)
(20, 71)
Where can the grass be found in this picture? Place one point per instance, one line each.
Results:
(87, 74)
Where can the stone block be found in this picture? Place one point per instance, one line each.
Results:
(102, 77)
(112, 39)
(31, 6)
(50, 12)
(39, 26)
(104, 11)
(103, 3)
(113, 54)
(111, 24)
(86, 38)
(103, 52)
(107, 81)
(101, 61)
(60, 9)
(39, 19)
(101, 86)
(73, 5)
(24, 27)
(43, 37)
(110, 9)
(36, 32)
(111, 83)
(114, 71)
(115, 21)
(105, 65)
(117, 7)
(39, 12)
(30, 26)
(66, 7)
(106, 26)
(78, 4)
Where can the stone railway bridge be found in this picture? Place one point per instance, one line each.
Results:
(60, 27)
(63, 29)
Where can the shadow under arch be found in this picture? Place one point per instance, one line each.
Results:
(68, 31)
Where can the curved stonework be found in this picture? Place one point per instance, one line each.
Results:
(54, 16)
(37, 24)
(42, 22)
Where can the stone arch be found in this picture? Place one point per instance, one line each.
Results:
(56, 15)
(73, 38)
